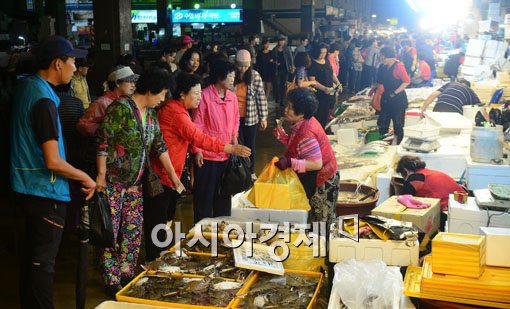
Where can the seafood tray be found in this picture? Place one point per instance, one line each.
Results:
(181, 291)
(268, 291)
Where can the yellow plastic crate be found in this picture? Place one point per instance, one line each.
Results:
(494, 284)
(412, 288)
(121, 297)
(246, 288)
(458, 254)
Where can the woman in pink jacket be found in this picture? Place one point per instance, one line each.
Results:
(217, 116)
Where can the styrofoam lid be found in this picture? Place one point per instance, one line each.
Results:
(495, 231)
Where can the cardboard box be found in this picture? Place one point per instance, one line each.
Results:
(392, 252)
(468, 218)
(458, 254)
(426, 219)
(497, 248)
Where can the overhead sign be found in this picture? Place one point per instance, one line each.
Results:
(207, 16)
(144, 16)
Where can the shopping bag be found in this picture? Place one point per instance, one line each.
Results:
(278, 189)
(236, 177)
(376, 99)
(101, 227)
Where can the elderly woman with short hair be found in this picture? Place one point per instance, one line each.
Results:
(310, 155)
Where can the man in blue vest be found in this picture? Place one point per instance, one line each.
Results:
(39, 172)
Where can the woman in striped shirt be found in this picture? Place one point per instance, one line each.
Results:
(310, 154)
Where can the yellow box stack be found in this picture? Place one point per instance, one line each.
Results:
(494, 284)
(458, 254)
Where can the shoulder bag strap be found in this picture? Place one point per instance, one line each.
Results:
(141, 130)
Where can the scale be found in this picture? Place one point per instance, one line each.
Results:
(421, 144)
(485, 199)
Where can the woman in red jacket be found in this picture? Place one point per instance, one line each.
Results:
(178, 132)
(422, 182)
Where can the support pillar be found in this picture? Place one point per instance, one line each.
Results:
(307, 16)
(57, 10)
(113, 36)
(162, 7)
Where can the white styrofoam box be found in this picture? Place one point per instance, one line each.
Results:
(507, 32)
(421, 130)
(392, 252)
(241, 209)
(449, 159)
(475, 71)
(472, 61)
(449, 122)
(347, 136)
(489, 61)
(497, 246)
(479, 175)
(469, 218)
(491, 49)
(475, 48)
(494, 50)
(281, 216)
(383, 185)
(507, 19)
(252, 214)
(244, 210)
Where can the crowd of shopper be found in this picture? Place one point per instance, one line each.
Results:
(187, 102)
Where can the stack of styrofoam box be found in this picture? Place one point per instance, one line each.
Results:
(468, 218)
(472, 67)
(494, 51)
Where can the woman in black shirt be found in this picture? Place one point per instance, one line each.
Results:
(265, 65)
(322, 73)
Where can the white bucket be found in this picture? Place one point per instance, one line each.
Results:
(469, 111)
(347, 136)
(486, 144)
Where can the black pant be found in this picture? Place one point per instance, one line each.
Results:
(44, 227)
(248, 135)
(367, 76)
(395, 111)
(322, 113)
(157, 210)
(355, 81)
(207, 202)
(280, 87)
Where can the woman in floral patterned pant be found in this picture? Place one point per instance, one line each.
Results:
(121, 162)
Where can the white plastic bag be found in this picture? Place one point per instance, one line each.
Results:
(366, 285)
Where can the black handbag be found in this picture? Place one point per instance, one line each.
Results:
(101, 226)
(236, 177)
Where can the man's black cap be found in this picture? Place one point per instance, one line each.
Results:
(56, 47)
